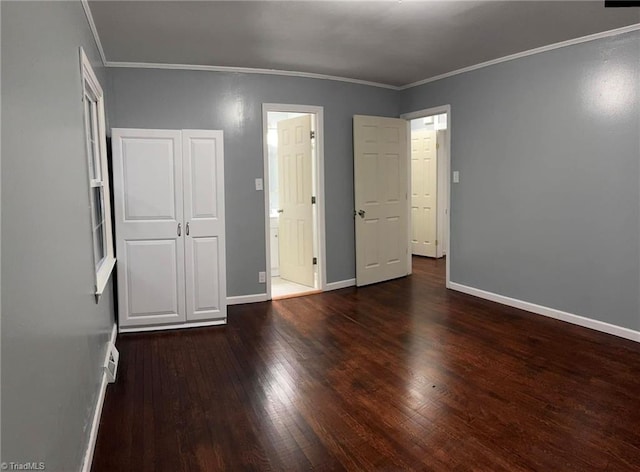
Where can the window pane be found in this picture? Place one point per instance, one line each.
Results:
(98, 244)
(99, 236)
(95, 140)
(97, 205)
(90, 137)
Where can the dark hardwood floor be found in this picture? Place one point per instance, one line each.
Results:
(403, 375)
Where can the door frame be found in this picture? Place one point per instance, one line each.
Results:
(317, 116)
(444, 173)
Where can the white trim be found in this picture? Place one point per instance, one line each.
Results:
(320, 250)
(550, 312)
(447, 169)
(530, 52)
(199, 324)
(439, 110)
(247, 70)
(309, 75)
(340, 284)
(242, 299)
(103, 275)
(94, 30)
(95, 423)
(1, 244)
(409, 196)
(442, 151)
(91, 86)
(266, 187)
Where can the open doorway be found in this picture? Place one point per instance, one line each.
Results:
(429, 201)
(293, 200)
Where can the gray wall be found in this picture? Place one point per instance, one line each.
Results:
(53, 332)
(548, 151)
(147, 98)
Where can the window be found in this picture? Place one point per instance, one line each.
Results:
(96, 146)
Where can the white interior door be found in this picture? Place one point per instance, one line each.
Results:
(424, 188)
(148, 197)
(204, 224)
(295, 189)
(380, 182)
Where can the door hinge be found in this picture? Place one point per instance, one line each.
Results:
(313, 200)
(436, 242)
(315, 261)
(313, 135)
(437, 145)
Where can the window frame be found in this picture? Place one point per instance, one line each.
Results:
(97, 171)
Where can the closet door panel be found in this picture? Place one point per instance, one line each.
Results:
(148, 197)
(148, 172)
(150, 266)
(204, 214)
(205, 291)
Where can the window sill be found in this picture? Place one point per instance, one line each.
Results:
(103, 275)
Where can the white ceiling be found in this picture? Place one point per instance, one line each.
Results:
(389, 42)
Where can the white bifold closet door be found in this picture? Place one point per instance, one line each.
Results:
(169, 211)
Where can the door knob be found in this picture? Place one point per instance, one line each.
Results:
(187, 228)
(280, 210)
(179, 229)
(361, 213)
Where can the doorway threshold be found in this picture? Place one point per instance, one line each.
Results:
(282, 288)
(295, 295)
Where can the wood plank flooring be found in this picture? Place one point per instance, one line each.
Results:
(403, 375)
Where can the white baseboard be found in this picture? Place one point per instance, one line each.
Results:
(550, 312)
(196, 324)
(95, 423)
(340, 284)
(239, 300)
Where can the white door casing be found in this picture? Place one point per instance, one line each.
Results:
(148, 197)
(424, 183)
(381, 193)
(203, 170)
(442, 140)
(444, 184)
(295, 189)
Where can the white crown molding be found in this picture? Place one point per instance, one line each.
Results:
(247, 70)
(94, 30)
(530, 52)
(310, 75)
(549, 312)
